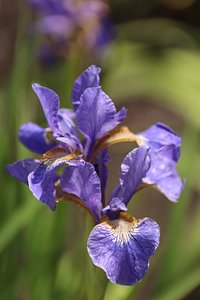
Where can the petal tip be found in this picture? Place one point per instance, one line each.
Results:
(35, 86)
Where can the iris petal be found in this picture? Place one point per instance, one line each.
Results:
(133, 169)
(42, 180)
(67, 134)
(59, 120)
(160, 135)
(83, 182)
(42, 185)
(50, 103)
(22, 168)
(162, 173)
(89, 78)
(97, 114)
(35, 138)
(122, 248)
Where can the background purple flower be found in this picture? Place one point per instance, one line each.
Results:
(85, 22)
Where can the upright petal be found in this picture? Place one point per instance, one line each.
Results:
(22, 168)
(67, 134)
(97, 115)
(162, 173)
(42, 180)
(133, 169)
(89, 78)
(35, 138)
(160, 135)
(66, 122)
(122, 248)
(50, 103)
(84, 183)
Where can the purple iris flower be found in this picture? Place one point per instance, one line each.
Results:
(119, 244)
(60, 143)
(78, 140)
(67, 20)
(96, 119)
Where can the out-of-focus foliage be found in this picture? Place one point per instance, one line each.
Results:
(153, 66)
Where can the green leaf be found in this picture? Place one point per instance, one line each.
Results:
(182, 287)
(18, 219)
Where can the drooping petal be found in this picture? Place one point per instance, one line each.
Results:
(89, 78)
(42, 180)
(50, 103)
(122, 248)
(22, 168)
(85, 184)
(133, 169)
(97, 115)
(160, 135)
(42, 184)
(162, 173)
(171, 186)
(35, 138)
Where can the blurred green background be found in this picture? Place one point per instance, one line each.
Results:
(153, 68)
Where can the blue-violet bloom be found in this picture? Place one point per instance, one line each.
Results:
(96, 118)
(78, 141)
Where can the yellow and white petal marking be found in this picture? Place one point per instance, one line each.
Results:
(115, 136)
(57, 156)
(121, 228)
